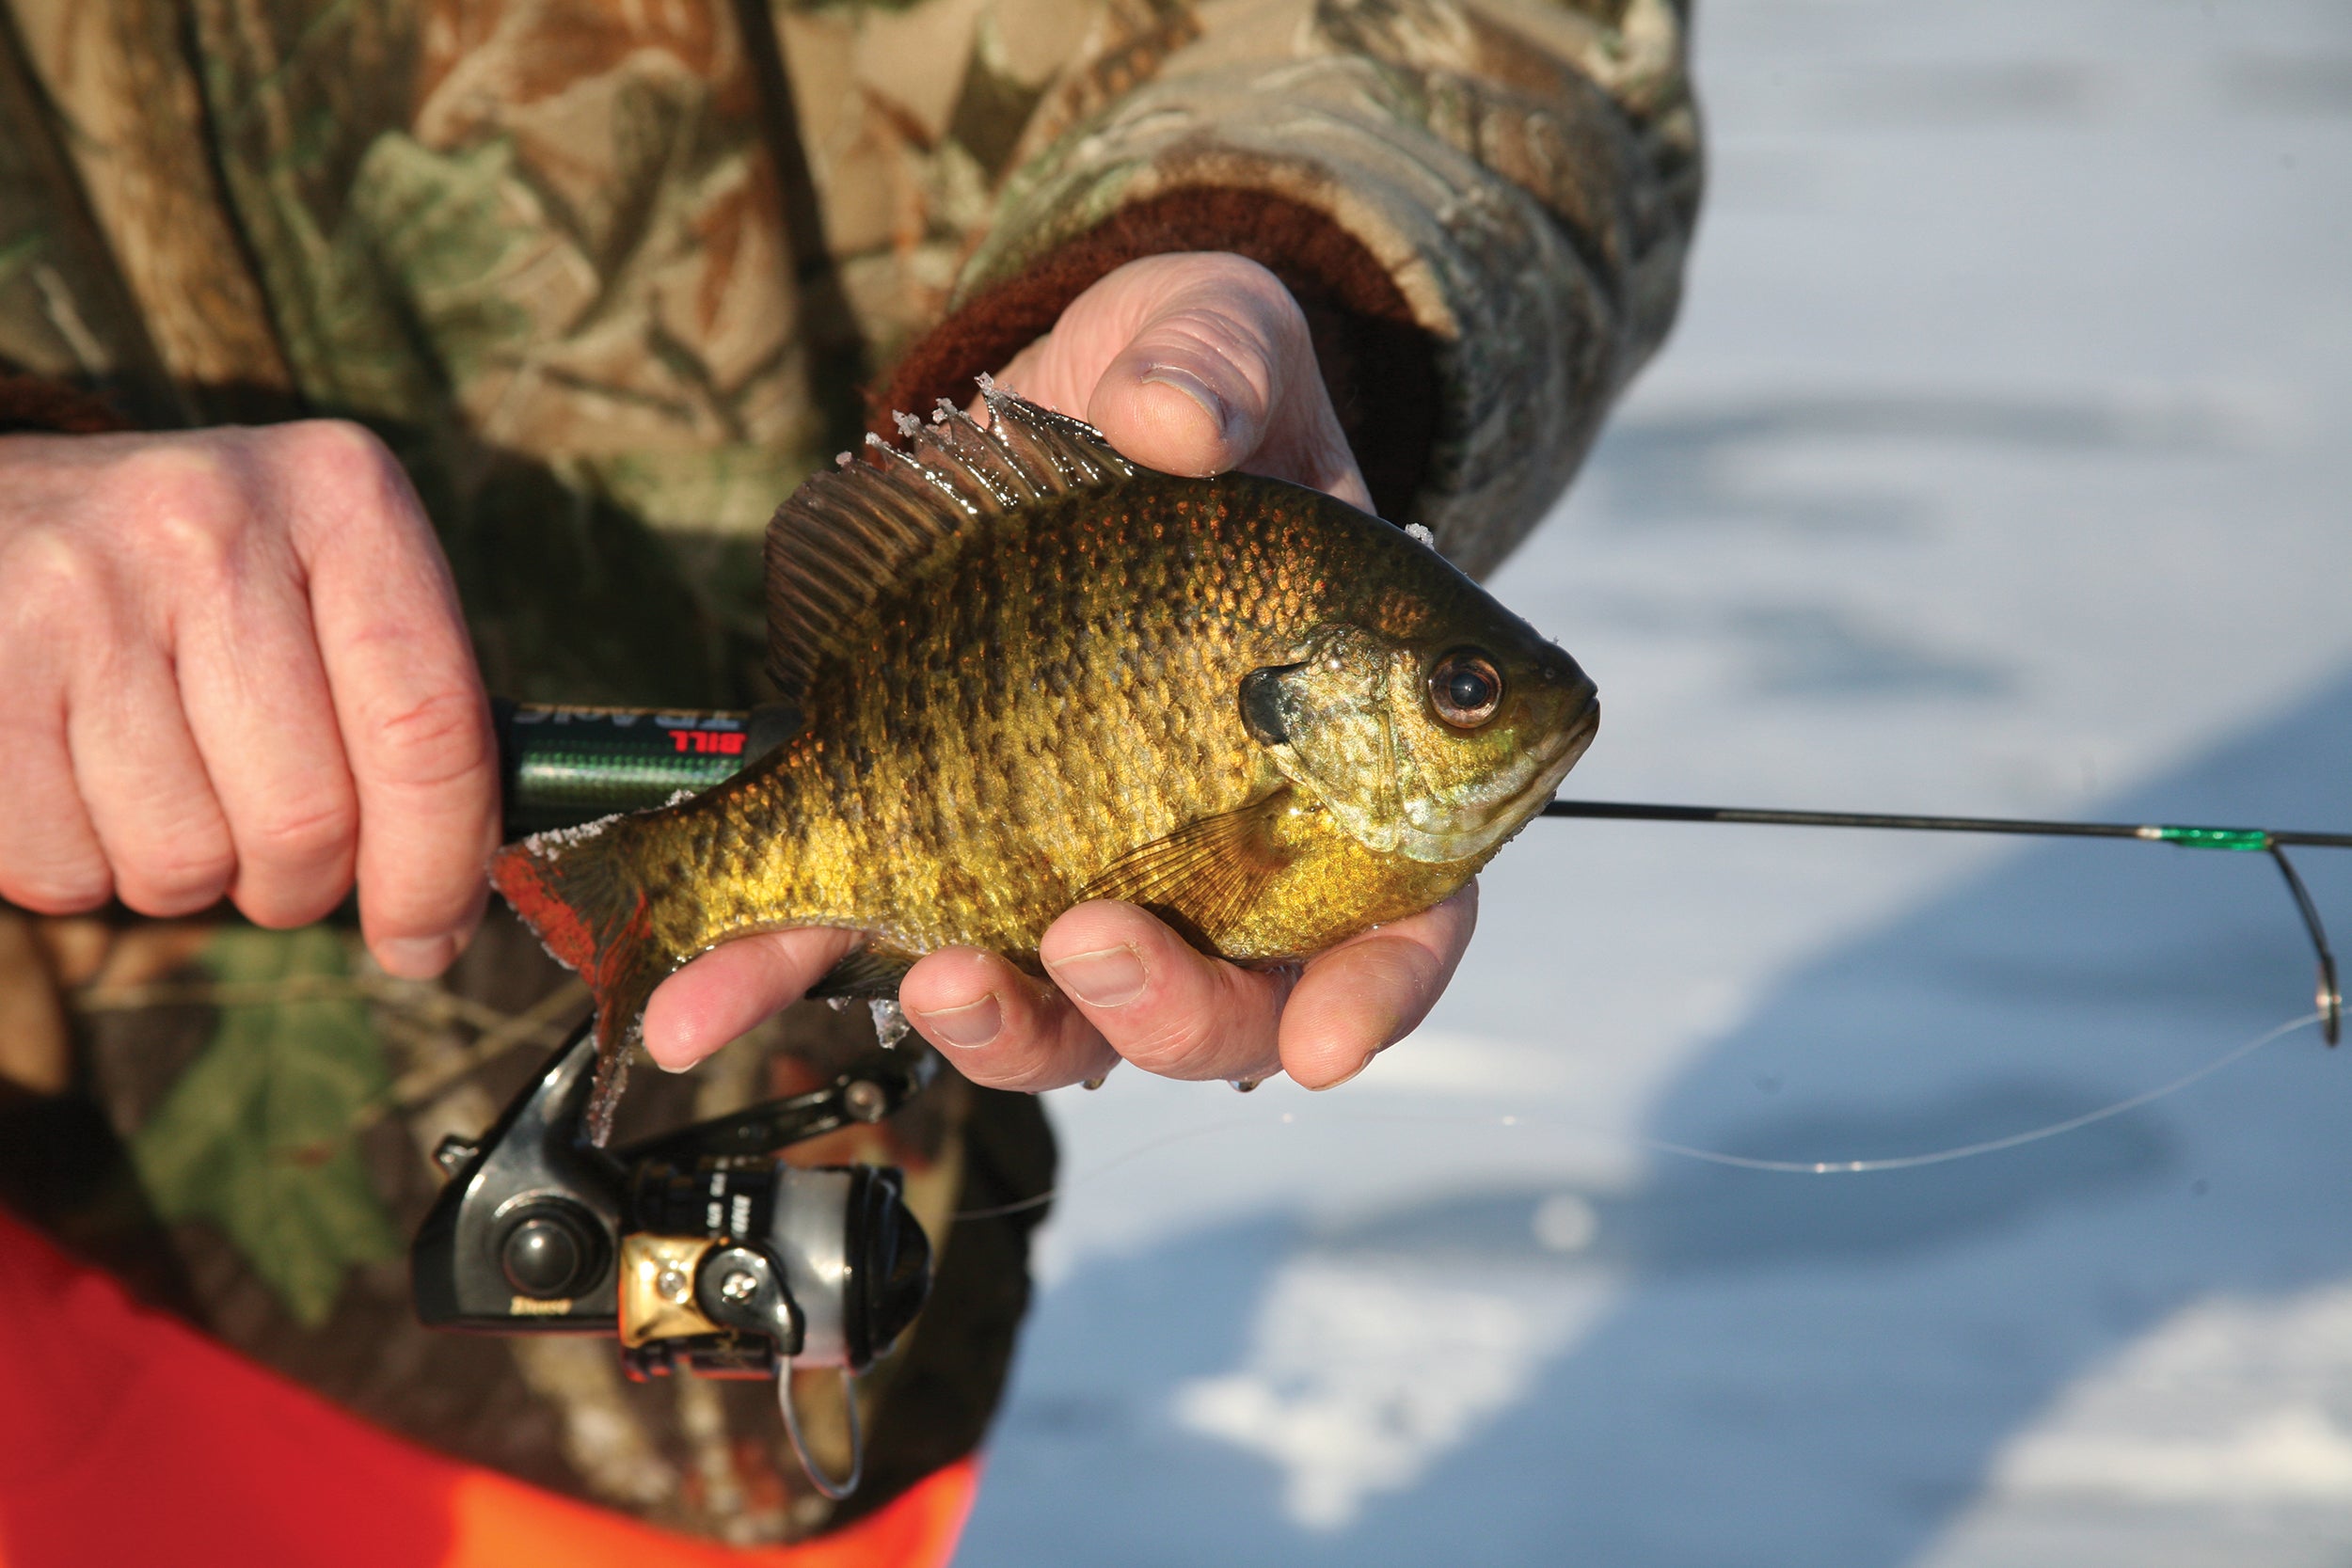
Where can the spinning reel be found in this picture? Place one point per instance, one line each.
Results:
(699, 1250)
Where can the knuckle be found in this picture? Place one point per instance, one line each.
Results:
(347, 463)
(439, 739)
(189, 874)
(1217, 334)
(302, 831)
(194, 482)
(1246, 290)
(187, 511)
(334, 447)
(190, 862)
(55, 580)
(1177, 1046)
(1234, 269)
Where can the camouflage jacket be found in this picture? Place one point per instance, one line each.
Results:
(610, 277)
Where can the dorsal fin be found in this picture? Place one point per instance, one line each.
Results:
(845, 537)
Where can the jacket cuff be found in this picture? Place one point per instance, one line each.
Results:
(1498, 347)
(34, 403)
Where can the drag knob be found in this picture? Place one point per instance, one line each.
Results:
(550, 1251)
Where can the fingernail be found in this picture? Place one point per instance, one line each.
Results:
(968, 1027)
(1353, 1072)
(415, 957)
(1195, 389)
(1108, 977)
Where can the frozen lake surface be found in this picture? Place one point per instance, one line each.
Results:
(2002, 464)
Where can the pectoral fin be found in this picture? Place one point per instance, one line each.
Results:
(1204, 877)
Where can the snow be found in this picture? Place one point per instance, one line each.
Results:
(2001, 464)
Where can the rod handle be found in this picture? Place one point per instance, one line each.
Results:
(561, 766)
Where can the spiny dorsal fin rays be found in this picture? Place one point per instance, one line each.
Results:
(1071, 450)
(845, 537)
(962, 446)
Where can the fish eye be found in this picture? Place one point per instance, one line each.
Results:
(1464, 688)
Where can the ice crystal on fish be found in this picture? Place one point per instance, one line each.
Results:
(553, 841)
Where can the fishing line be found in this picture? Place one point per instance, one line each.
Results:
(1990, 1146)
(1691, 1152)
(1151, 1146)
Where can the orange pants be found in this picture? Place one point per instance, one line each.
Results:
(127, 1438)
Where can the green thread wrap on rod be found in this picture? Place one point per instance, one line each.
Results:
(2241, 840)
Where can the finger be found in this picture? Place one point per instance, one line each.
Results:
(1217, 371)
(1365, 994)
(258, 705)
(732, 988)
(144, 785)
(408, 700)
(50, 861)
(999, 1026)
(1161, 1004)
(80, 649)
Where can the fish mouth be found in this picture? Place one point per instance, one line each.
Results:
(1470, 834)
(1573, 742)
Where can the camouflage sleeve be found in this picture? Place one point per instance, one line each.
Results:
(1484, 204)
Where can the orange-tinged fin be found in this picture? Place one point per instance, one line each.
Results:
(573, 887)
(1202, 877)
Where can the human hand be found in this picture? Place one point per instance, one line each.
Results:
(1195, 364)
(236, 666)
(1191, 364)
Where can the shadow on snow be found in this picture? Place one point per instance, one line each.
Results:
(1783, 1370)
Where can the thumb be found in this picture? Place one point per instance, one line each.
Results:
(1220, 374)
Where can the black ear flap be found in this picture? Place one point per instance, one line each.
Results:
(1262, 705)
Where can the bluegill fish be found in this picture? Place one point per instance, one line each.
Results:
(1032, 673)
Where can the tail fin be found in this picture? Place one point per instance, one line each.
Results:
(573, 886)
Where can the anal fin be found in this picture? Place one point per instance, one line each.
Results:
(1204, 877)
(864, 973)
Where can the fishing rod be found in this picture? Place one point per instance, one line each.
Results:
(561, 767)
(705, 1250)
(2271, 841)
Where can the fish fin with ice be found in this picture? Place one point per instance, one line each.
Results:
(866, 972)
(842, 537)
(1204, 877)
(574, 888)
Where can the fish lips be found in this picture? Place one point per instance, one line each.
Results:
(1465, 835)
